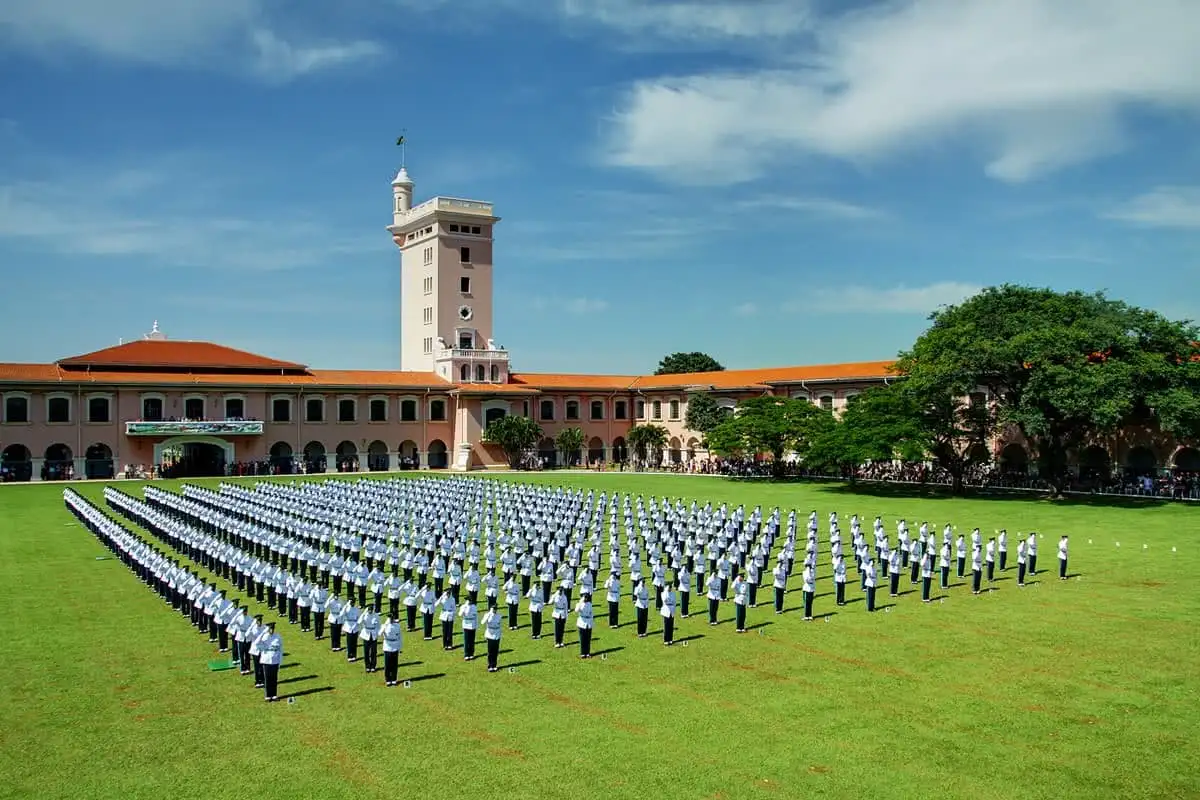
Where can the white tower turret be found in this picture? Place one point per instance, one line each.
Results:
(402, 195)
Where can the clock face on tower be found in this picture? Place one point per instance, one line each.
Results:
(464, 312)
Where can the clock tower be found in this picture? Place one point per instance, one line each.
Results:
(446, 286)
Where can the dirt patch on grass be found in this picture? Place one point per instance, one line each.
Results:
(506, 752)
(579, 706)
(819, 769)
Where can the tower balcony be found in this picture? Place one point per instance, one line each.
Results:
(469, 354)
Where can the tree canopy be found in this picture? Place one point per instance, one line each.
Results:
(514, 435)
(647, 440)
(768, 424)
(570, 442)
(703, 414)
(1062, 367)
(679, 363)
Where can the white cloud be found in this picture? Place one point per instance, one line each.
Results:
(130, 215)
(1036, 85)
(895, 300)
(577, 306)
(745, 310)
(824, 207)
(694, 20)
(218, 35)
(1163, 207)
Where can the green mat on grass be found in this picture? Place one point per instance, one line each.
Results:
(219, 664)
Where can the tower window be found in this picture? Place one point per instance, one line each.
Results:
(464, 255)
(474, 229)
(453, 227)
(464, 284)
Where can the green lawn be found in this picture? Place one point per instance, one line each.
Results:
(1080, 689)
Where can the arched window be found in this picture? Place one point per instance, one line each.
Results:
(480, 373)
(495, 373)
(464, 373)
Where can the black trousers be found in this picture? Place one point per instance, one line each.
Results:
(335, 636)
(245, 657)
(493, 652)
(270, 597)
(1062, 568)
(427, 625)
(560, 626)
(713, 607)
(840, 590)
(962, 565)
(808, 604)
(1032, 564)
(976, 579)
(926, 584)
(305, 617)
(668, 629)
(739, 615)
(535, 618)
(351, 646)
(391, 664)
(394, 607)
(319, 623)
(371, 654)
(753, 594)
(468, 642)
(1003, 560)
(293, 609)
(512, 615)
(991, 570)
(222, 637)
(643, 617)
(258, 673)
(945, 577)
(614, 614)
(684, 598)
(1020, 574)
(894, 579)
(270, 680)
(870, 598)
(778, 600)
(410, 613)
(585, 641)
(912, 577)
(447, 634)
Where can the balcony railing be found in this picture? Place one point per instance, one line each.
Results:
(218, 427)
(474, 355)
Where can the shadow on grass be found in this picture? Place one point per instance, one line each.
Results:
(691, 638)
(929, 492)
(430, 677)
(608, 650)
(758, 625)
(884, 608)
(409, 664)
(516, 664)
(304, 692)
(297, 679)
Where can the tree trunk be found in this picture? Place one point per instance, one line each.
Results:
(957, 484)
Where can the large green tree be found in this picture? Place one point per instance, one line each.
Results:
(703, 414)
(514, 435)
(570, 443)
(1062, 367)
(679, 363)
(647, 441)
(894, 422)
(768, 424)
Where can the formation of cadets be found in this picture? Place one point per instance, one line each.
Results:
(365, 562)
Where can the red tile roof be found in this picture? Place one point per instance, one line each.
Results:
(172, 354)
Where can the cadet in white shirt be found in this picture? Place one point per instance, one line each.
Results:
(683, 583)
(584, 622)
(558, 614)
(470, 621)
(369, 634)
(253, 633)
(351, 621)
(741, 592)
(641, 605)
(428, 600)
(536, 603)
(512, 598)
(714, 597)
(1031, 553)
(869, 575)
(320, 603)
(449, 609)
(667, 611)
(1062, 558)
(839, 579)
(1002, 546)
(990, 559)
(271, 656)
(780, 575)
(392, 641)
(808, 585)
(337, 616)
(613, 589)
(1021, 562)
(492, 626)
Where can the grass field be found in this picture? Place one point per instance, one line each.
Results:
(1087, 688)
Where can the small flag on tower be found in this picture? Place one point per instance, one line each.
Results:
(400, 141)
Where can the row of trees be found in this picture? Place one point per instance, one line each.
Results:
(1063, 369)
(518, 437)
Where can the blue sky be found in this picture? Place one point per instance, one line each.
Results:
(770, 181)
